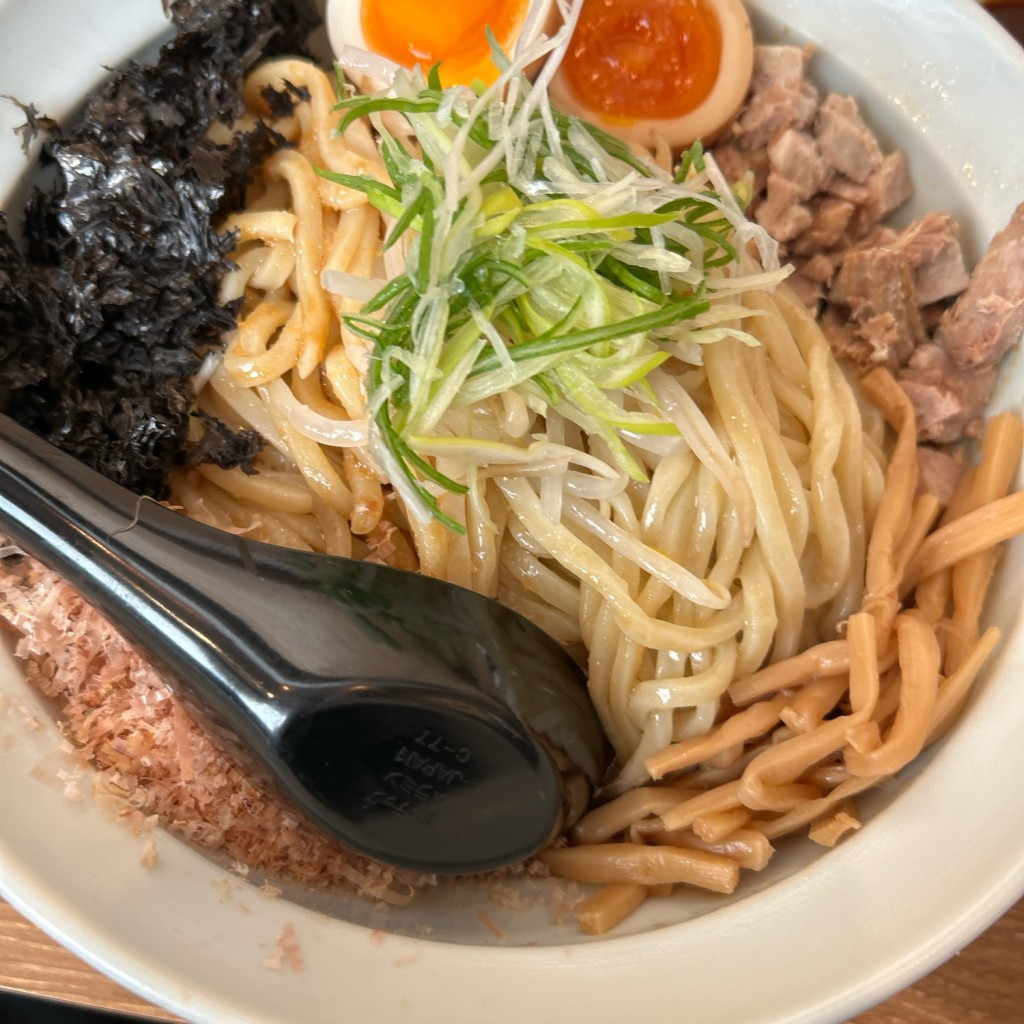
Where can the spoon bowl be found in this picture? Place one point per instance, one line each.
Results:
(418, 722)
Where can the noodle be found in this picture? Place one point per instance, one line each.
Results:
(604, 909)
(772, 622)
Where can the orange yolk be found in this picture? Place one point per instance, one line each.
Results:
(453, 32)
(634, 59)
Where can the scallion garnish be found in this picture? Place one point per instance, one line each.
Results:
(541, 254)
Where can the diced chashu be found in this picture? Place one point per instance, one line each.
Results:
(877, 286)
(794, 143)
(883, 287)
(845, 141)
(988, 319)
(827, 183)
(780, 97)
(939, 472)
(949, 401)
(951, 379)
(932, 247)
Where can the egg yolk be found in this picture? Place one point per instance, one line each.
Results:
(633, 59)
(453, 32)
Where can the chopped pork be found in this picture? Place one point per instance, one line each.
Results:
(822, 186)
(938, 472)
(780, 96)
(821, 181)
(845, 141)
(988, 318)
(877, 286)
(936, 259)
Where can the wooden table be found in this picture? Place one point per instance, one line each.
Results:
(984, 984)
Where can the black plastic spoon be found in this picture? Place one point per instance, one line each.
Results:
(416, 721)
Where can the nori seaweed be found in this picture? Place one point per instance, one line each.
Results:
(106, 312)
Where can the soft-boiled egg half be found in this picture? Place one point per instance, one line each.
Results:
(649, 71)
(450, 32)
(677, 70)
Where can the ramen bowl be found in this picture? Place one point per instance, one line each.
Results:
(815, 937)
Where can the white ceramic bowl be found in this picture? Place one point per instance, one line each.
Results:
(816, 938)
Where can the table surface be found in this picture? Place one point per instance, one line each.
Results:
(983, 984)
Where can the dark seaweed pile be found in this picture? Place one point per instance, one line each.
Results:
(110, 303)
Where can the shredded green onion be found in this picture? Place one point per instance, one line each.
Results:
(542, 255)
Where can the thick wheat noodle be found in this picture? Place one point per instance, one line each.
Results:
(749, 847)
(599, 629)
(893, 516)
(262, 226)
(540, 579)
(923, 515)
(305, 527)
(355, 250)
(967, 535)
(769, 782)
(629, 657)
(257, 263)
(919, 662)
(719, 825)
(583, 562)
(352, 247)
(309, 254)
(731, 391)
(739, 728)
(309, 391)
(667, 480)
(864, 482)
(828, 831)
(760, 610)
(335, 529)
(254, 356)
(954, 689)
(993, 477)
(320, 474)
(645, 865)
(722, 798)
(197, 502)
(600, 824)
(601, 911)
(812, 810)
(277, 492)
(649, 695)
(704, 593)
(367, 495)
(312, 126)
(816, 699)
(831, 658)
(657, 731)
(704, 440)
(864, 671)
(826, 501)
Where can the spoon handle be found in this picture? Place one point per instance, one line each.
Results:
(117, 549)
(253, 634)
